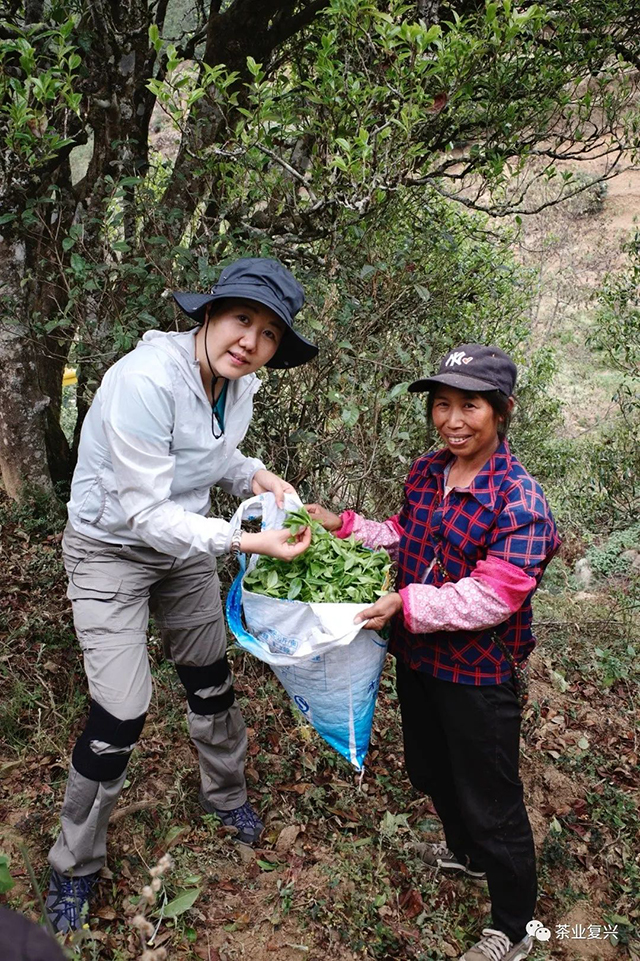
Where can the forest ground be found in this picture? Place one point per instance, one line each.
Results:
(336, 877)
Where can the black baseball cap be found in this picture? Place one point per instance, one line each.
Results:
(473, 367)
(269, 283)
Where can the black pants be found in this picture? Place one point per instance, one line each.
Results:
(461, 746)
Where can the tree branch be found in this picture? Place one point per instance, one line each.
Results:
(508, 210)
(288, 28)
(291, 170)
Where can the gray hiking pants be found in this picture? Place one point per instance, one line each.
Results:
(112, 590)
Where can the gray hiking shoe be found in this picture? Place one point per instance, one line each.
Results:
(67, 903)
(244, 819)
(437, 855)
(496, 946)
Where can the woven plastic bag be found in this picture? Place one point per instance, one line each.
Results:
(329, 666)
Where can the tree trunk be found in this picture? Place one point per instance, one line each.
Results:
(33, 448)
(119, 110)
(23, 405)
(244, 29)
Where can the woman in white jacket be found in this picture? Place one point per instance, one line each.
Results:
(164, 427)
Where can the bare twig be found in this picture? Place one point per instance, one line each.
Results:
(145, 805)
(291, 170)
(36, 888)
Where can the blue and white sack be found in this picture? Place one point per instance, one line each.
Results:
(329, 666)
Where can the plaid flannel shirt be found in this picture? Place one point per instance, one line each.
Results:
(502, 514)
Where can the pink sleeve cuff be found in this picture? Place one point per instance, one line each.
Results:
(373, 534)
(492, 593)
(509, 582)
(468, 605)
(395, 522)
(407, 614)
(348, 519)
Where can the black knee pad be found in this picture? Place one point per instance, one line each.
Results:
(210, 675)
(103, 726)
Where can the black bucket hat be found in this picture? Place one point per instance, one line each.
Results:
(473, 367)
(269, 283)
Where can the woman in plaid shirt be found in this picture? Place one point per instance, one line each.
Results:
(471, 543)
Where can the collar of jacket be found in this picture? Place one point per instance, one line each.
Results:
(487, 482)
(180, 346)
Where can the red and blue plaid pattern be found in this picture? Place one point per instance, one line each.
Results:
(504, 514)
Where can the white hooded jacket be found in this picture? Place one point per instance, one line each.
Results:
(147, 456)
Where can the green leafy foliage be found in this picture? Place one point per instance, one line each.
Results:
(402, 290)
(614, 459)
(183, 901)
(332, 149)
(331, 570)
(6, 881)
(35, 101)
(617, 334)
(611, 557)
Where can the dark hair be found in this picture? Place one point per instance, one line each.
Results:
(498, 401)
(217, 307)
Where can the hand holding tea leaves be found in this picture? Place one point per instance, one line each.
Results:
(329, 520)
(277, 544)
(330, 571)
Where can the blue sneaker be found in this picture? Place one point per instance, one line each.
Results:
(67, 903)
(244, 819)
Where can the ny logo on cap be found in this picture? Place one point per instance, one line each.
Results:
(456, 358)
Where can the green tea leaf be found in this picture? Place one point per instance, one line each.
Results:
(294, 590)
(181, 903)
(6, 881)
(330, 571)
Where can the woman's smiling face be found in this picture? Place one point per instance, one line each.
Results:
(466, 422)
(242, 337)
